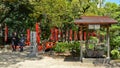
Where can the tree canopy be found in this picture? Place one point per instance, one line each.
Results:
(49, 13)
(54, 12)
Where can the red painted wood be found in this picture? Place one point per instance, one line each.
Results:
(40, 47)
(70, 36)
(51, 36)
(84, 35)
(75, 35)
(56, 34)
(6, 33)
(37, 33)
(28, 37)
(48, 45)
(94, 34)
(80, 35)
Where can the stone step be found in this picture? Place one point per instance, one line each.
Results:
(93, 60)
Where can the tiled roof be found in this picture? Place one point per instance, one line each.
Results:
(95, 20)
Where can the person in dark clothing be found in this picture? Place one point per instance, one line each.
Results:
(22, 41)
(14, 41)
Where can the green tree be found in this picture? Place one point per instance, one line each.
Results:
(112, 10)
(16, 14)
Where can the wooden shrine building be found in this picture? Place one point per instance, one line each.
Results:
(86, 23)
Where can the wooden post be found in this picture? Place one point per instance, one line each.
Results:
(81, 53)
(86, 43)
(70, 34)
(67, 35)
(75, 36)
(108, 41)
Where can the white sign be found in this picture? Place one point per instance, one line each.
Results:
(91, 26)
(94, 26)
(97, 26)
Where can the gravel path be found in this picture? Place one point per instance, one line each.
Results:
(9, 59)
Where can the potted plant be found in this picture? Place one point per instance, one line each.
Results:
(100, 50)
(91, 47)
(90, 50)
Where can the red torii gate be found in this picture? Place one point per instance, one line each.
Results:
(6, 33)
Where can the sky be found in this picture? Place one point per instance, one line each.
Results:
(115, 1)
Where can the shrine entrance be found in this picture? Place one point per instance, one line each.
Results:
(94, 42)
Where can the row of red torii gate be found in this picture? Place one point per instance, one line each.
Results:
(55, 35)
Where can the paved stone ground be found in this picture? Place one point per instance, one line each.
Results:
(9, 59)
(48, 62)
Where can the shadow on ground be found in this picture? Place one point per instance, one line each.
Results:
(107, 63)
(113, 64)
(71, 59)
(9, 58)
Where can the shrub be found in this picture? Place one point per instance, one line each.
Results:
(116, 41)
(65, 46)
(61, 47)
(91, 46)
(115, 54)
(94, 39)
(74, 47)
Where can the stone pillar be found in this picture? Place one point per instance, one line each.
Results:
(33, 45)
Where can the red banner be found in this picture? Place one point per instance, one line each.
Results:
(6, 33)
(37, 33)
(70, 36)
(80, 35)
(52, 34)
(56, 34)
(28, 35)
(85, 35)
(75, 35)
